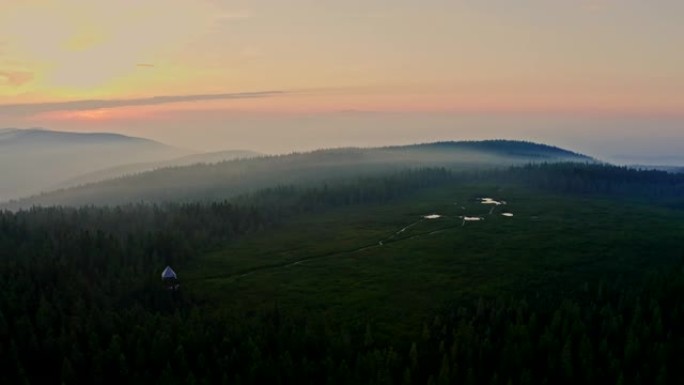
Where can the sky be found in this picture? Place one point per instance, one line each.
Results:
(604, 76)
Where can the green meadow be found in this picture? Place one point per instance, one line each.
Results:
(387, 264)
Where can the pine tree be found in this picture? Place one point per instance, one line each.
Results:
(67, 374)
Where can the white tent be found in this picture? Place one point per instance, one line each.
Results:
(168, 273)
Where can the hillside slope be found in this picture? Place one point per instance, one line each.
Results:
(137, 168)
(35, 160)
(223, 180)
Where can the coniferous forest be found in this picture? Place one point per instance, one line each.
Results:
(324, 192)
(81, 300)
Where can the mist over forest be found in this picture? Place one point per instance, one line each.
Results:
(496, 261)
(616, 139)
(342, 192)
(216, 176)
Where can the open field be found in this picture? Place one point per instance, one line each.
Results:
(357, 265)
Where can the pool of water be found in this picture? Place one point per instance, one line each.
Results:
(490, 201)
(473, 219)
(432, 216)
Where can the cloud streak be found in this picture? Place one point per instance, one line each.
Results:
(15, 78)
(27, 109)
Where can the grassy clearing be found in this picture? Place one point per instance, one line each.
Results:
(552, 243)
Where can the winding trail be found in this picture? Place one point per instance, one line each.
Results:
(268, 267)
(391, 239)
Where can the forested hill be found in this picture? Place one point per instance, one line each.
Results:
(225, 179)
(509, 148)
(137, 168)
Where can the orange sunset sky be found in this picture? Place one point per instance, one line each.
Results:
(170, 68)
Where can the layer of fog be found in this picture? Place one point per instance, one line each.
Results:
(623, 140)
(626, 141)
(36, 161)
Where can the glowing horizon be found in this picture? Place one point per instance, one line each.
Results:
(571, 56)
(235, 71)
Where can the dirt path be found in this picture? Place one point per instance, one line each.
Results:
(395, 237)
(392, 239)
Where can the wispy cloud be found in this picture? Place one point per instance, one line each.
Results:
(28, 109)
(15, 78)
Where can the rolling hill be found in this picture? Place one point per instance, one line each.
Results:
(36, 160)
(137, 168)
(215, 182)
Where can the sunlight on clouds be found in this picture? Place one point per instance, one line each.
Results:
(15, 78)
(531, 55)
(98, 115)
(83, 44)
(88, 38)
(79, 115)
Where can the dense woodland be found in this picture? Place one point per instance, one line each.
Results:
(600, 179)
(81, 300)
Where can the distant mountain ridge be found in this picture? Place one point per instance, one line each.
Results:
(670, 169)
(512, 148)
(14, 136)
(211, 182)
(35, 160)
